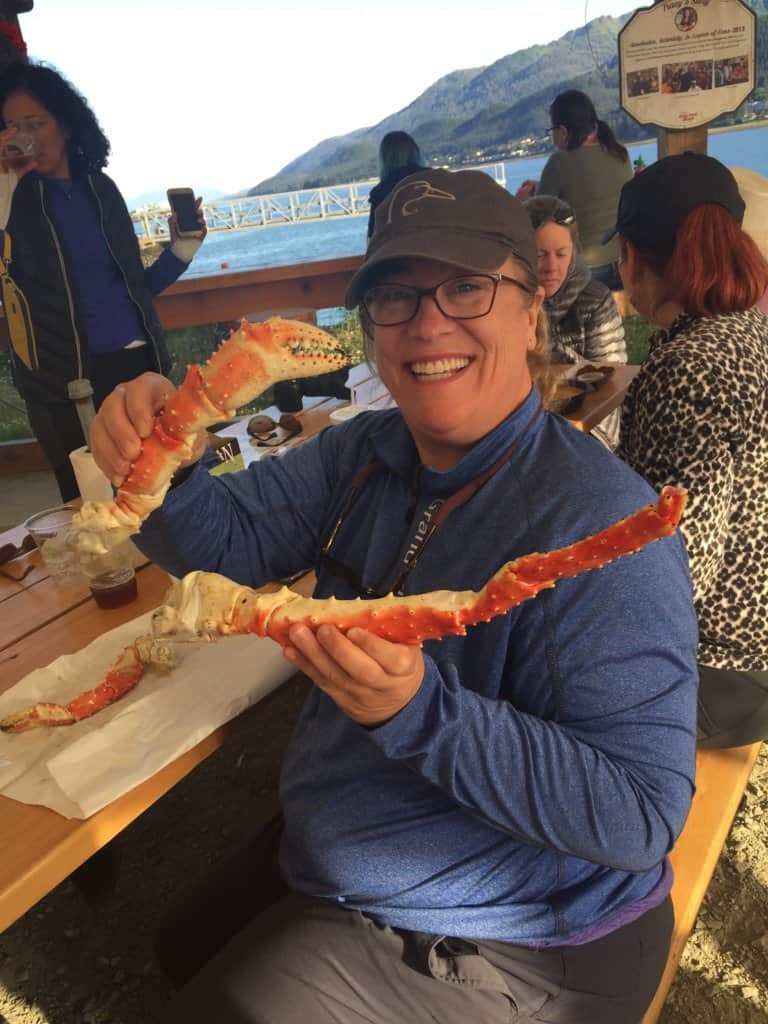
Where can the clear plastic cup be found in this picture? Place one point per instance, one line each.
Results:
(50, 529)
(111, 576)
(21, 146)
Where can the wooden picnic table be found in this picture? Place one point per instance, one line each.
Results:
(596, 405)
(39, 621)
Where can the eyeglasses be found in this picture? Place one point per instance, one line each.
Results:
(564, 216)
(555, 127)
(263, 430)
(461, 298)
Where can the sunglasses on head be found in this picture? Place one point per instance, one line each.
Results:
(263, 429)
(564, 217)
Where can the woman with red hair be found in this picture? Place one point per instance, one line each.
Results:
(697, 416)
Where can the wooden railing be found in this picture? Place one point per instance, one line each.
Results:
(231, 295)
(220, 297)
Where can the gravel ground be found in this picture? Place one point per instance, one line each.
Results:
(67, 962)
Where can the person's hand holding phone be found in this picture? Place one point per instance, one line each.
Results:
(186, 224)
(187, 219)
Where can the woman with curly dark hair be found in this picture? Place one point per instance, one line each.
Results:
(587, 172)
(78, 300)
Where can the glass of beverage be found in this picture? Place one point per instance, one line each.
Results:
(111, 576)
(50, 531)
(288, 396)
(21, 149)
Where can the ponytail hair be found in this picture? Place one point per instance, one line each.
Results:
(699, 279)
(576, 112)
(610, 143)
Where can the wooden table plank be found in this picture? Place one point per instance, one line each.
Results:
(721, 777)
(596, 405)
(75, 627)
(40, 847)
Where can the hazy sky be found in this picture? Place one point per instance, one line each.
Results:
(224, 95)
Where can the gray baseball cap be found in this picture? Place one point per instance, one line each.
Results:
(463, 218)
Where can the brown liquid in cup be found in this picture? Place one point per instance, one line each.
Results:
(115, 597)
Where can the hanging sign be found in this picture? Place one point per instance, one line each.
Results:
(684, 62)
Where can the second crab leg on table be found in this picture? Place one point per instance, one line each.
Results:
(204, 605)
(250, 360)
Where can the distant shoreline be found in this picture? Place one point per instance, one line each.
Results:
(653, 138)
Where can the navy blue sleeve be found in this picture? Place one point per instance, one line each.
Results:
(609, 776)
(258, 525)
(166, 269)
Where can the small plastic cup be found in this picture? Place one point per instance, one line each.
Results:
(111, 576)
(49, 529)
(21, 146)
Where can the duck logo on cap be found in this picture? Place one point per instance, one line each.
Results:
(410, 196)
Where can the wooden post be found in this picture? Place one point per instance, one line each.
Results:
(670, 141)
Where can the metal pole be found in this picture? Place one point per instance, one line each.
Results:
(81, 393)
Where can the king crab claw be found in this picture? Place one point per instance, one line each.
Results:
(205, 606)
(250, 360)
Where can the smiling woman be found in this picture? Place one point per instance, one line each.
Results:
(411, 769)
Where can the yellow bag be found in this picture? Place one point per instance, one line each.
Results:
(17, 316)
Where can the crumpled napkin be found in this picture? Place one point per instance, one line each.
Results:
(78, 769)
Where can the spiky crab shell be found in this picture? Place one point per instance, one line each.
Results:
(253, 357)
(268, 352)
(203, 605)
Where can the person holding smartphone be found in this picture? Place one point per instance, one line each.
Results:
(79, 302)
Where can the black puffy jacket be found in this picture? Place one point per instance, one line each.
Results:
(41, 271)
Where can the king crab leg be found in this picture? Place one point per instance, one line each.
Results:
(250, 360)
(205, 605)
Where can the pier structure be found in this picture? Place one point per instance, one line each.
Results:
(327, 202)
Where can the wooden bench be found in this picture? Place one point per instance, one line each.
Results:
(721, 778)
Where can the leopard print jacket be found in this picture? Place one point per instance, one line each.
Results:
(697, 416)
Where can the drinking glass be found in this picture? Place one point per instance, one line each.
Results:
(50, 531)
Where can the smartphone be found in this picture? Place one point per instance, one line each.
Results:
(182, 202)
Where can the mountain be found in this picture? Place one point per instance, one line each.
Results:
(467, 117)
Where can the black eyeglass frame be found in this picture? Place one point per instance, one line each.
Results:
(422, 293)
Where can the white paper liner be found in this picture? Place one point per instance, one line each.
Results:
(78, 769)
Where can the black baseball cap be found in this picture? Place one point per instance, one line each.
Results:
(654, 203)
(463, 218)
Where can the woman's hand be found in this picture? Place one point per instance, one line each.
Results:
(370, 679)
(527, 189)
(125, 418)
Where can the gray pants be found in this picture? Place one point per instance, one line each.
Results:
(304, 961)
(733, 708)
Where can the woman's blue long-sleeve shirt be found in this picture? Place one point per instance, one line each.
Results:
(531, 789)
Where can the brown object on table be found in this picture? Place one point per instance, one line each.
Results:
(12, 569)
(10, 551)
(596, 403)
(589, 372)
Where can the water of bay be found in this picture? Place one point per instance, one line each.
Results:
(287, 244)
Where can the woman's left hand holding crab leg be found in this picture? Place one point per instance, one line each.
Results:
(369, 678)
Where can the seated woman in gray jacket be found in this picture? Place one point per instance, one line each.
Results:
(584, 323)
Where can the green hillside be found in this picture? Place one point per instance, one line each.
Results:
(466, 116)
